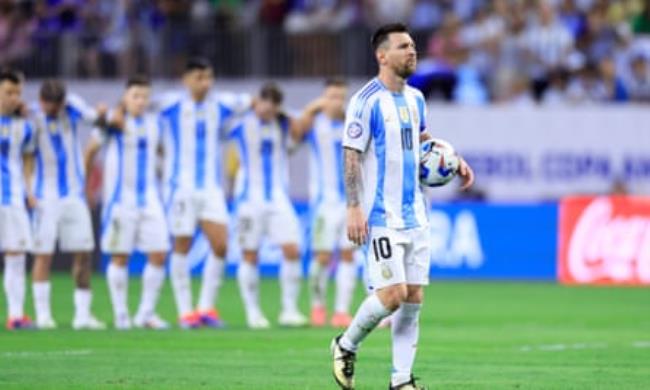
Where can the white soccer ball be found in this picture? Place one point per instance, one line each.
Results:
(439, 162)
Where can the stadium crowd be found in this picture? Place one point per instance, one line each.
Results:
(472, 51)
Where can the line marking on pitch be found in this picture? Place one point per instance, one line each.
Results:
(65, 352)
(562, 347)
(641, 344)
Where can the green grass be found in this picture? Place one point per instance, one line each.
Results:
(473, 335)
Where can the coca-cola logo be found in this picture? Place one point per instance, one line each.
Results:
(610, 242)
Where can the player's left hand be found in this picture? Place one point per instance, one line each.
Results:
(466, 173)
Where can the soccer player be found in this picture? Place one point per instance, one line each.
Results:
(56, 197)
(15, 234)
(263, 206)
(132, 215)
(194, 126)
(385, 123)
(322, 122)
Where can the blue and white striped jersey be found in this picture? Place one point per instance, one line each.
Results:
(130, 163)
(263, 173)
(192, 138)
(326, 160)
(59, 163)
(385, 127)
(15, 139)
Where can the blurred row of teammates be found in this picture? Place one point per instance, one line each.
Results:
(162, 179)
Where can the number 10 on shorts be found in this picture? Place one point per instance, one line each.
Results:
(381, 248)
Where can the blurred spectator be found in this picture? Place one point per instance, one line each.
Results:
(17, 24)
(614, 86)
(388, 11)
(557, 92)
(641, 21)
(587, 87)
(548, 44)
(639, 81)
(426, 15)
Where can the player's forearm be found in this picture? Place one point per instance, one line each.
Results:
(352, 171)
(424, 136)
(28, 171)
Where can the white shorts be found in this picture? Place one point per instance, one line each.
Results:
(275, 220)
(64, 220)
(128, 228)
(15, 230)
(187, 209)
(398, 256)
(329, 228)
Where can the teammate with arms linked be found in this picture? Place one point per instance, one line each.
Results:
(385, 124)
(59, 210)
(322, 125)
(194, 125)
(15, 234)
(132, 215)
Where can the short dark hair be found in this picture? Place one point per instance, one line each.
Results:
(53, 91)
(381, 35)
(271, 91)
(197, 63)
(335, 82)
(13, 76)
(138, 80)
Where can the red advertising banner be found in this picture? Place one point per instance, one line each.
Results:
(604, 240)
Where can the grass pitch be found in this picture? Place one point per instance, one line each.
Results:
(473, 335)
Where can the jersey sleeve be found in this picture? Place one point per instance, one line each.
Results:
(357, 129)
(81, 108)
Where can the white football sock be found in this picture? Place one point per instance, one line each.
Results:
(318, 283)
(405, 330)
(41, 291)
(212, 278)
(290, 277)
(370, 313)
(14, 281)
(118, 281)
(248, 277)
(346, 279)
(83, 299)
(153, 277)
(181, 283)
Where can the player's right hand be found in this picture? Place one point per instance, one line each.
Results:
(32, 202)
(357, 225)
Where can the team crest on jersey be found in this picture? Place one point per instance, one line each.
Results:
(51, 127)
(403, 114)
(414, 114)
(386, 272)
(354, 130)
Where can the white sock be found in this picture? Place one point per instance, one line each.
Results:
(118, 282)
(248, 277)
(41, 291)
(212, 278)
(318, 283)
(153, 277)
(290, 277)
(370, 313)
(405, 329)
(346, 279)
(83, 299)
(14, 281)
(181, 283)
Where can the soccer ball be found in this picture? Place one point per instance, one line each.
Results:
(439, 163)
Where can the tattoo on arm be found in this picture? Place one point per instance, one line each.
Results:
(352, 172)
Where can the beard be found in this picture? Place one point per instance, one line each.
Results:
(405, 71)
